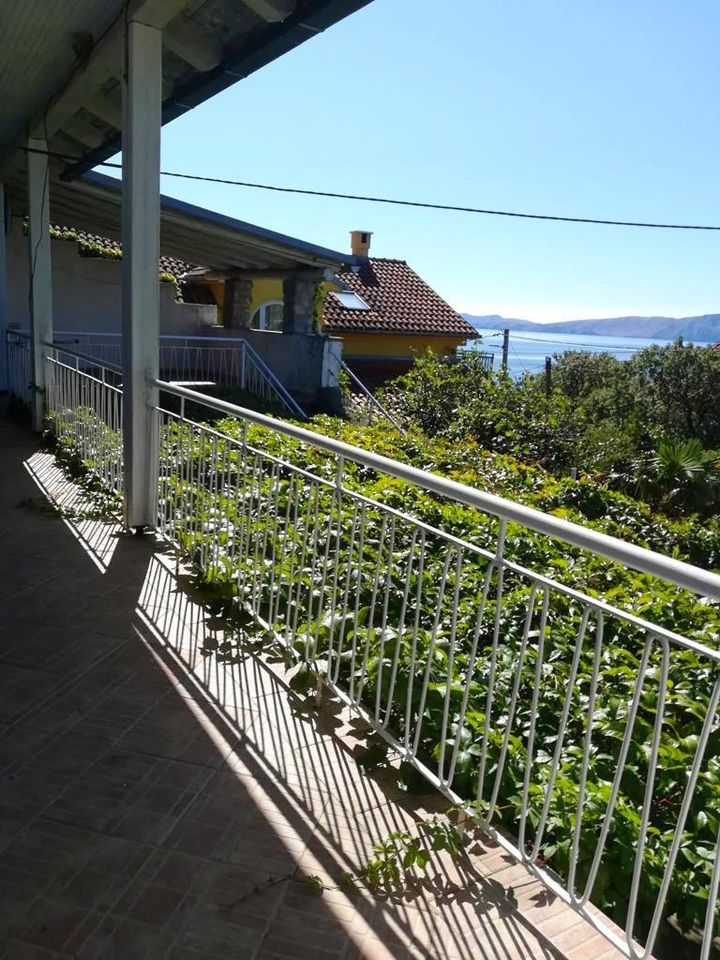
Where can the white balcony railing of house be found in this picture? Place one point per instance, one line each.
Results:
(227, 363)
(551, 710)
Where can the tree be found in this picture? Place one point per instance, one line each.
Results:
(578, 373)
(677, 389)
(463, 399)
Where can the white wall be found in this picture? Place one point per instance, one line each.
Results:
(86, 292)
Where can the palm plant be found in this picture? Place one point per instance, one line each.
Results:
(682, 477)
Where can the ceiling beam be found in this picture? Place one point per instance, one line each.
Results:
(106, 59)
(271, 10)
(191, 46)
(107, 107)
(84, 132)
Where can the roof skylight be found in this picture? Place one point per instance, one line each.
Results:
(350, 300)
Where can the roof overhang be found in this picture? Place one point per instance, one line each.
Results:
(62, 63)
(193, 234)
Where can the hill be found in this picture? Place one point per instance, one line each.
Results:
(701, 328)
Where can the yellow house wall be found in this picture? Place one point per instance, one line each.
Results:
(265, 288)
(218, 291)
(395, 345)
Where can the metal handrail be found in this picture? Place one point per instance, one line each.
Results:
(371, 397)
(289, 400)
(682, 574)
(317, 559)
(85, 357)
(179, 341)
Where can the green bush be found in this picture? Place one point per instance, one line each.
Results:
(464, 400)
(605, 418)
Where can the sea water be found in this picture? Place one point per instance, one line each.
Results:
(528, 350)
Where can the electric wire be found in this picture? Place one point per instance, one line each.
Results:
(418, 204)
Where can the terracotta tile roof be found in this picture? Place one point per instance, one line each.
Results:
(399, 300)
(113, 249)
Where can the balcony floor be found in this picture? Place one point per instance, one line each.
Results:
(157, 803)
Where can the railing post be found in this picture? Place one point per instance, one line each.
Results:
(142, 84)
(40, 266)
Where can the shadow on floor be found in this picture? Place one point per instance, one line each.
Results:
(158, 803)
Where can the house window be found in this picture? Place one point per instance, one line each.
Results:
(268, 316)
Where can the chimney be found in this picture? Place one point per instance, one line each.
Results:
(360, 243)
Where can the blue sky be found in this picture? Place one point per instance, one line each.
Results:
(599, 108)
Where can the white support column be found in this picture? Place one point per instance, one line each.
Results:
(4, 294)
(142, 87)
(40, 265)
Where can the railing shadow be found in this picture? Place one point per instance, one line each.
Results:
(98, 537)
(304, 759)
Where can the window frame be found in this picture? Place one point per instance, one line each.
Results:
(261, 313)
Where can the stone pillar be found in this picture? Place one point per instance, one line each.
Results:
(299, 301)
(237, 300)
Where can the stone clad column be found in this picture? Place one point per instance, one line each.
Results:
(299, 301)
(237, 300)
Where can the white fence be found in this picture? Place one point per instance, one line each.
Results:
(229, 363)
(430, 607)
(84, 408)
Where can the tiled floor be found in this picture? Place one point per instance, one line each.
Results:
(156, 803)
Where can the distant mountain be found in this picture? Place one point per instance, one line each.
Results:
(706, 327)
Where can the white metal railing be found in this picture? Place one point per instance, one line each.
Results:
(19, 365)
(84, 408)
(368, 400)
(557, 714)
(229, 363)
(552, 709)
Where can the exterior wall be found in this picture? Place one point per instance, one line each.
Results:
(377, 358)
(396, 345)
(87, 293)
(307, 365)
(265, 288)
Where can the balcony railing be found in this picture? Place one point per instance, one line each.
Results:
(545, 710)
(227, 363)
